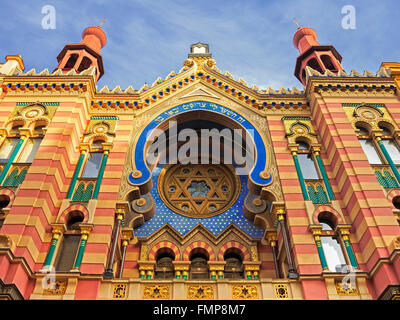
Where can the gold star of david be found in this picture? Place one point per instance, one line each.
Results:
(198, 190)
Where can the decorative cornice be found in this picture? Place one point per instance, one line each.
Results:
(118, 100)
(10, 290)
(350, 84)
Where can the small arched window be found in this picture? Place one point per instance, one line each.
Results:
(39, 130)
(15, 129)
(164, 268)
(303, 75)
(327, 61)
(396, 202)
(74, 219)
(71, 61)
(97, 144)
(313, 63)
(85, 64)
(233, 266)
(199, 265)
(331, 244)
(303, 145)
(70, 243)
(4, 201)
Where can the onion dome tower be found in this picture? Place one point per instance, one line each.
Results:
(85, 54)
(312, 54)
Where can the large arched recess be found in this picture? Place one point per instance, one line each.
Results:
(259, 175)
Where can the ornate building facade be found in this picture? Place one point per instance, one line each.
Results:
(86, 215)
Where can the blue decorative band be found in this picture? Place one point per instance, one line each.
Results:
(261, 154)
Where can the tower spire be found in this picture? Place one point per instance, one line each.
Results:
(85, 54)
(313, 54)
(296, 23)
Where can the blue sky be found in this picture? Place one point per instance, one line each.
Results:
(148, 39)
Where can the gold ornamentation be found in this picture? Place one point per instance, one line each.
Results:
(136, 174)
(143, 252)
(141, 202)
(254, 253)
(32, 111)
(119, 291)
(345, 289)
(281, 291)
(156, 292)
(59, 288)
(244, 292)
(200, 292)
(198, 191)
(264, 175)
(371, 115)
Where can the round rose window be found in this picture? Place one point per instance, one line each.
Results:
(199, 191)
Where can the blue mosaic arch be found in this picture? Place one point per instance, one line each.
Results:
(255, 174)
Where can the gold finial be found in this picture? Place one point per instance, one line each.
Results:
(296, 23)
(102, 21)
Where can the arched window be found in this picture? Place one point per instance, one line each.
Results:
(4, 202)
(70, 243)
(74, 219)
(71, 61)
(390, 144)
(306, 161)
(30, 150)
(7, 148)
(15, 128)
(368, 146)
(313, 63)
(199, 265)
(164, 268)
(38, 131)
(97, 144)
(396, 202)
(85, 64)
(303, 75)
(331, 245)
(327, 61)
(233, 266)
(92, 166)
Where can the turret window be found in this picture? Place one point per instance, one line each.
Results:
(327, 61)
(85, 64)
(71, 61)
